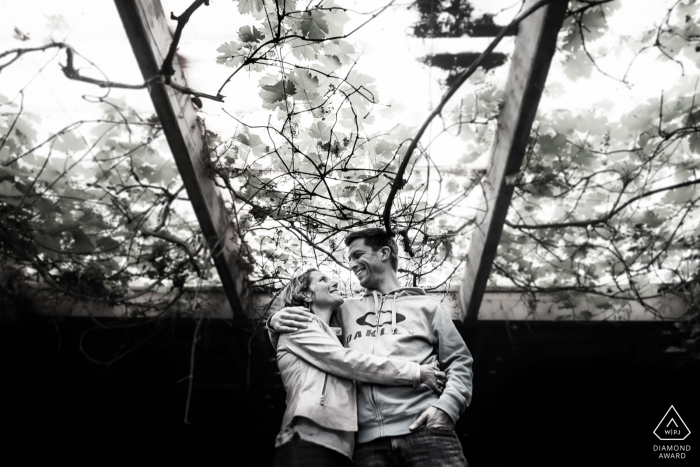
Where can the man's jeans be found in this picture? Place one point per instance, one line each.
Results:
(427, 447)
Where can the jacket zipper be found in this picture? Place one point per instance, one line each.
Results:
(323, 391)
(373, 388)
(376, 332)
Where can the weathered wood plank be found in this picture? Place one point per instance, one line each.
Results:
(534, 48)
(496, 306)
(147, 29)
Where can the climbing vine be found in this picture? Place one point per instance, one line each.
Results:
(605, 207)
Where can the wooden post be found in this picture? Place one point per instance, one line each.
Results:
(147, 29)
(534, 48)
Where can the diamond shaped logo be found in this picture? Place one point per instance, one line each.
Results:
(671, 427)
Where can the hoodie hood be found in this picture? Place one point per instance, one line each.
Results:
(392, 295)
(400, 291)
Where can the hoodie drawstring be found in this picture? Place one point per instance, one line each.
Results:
(376, 305)
(377, 311)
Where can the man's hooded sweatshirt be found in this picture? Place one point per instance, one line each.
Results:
(405, 324)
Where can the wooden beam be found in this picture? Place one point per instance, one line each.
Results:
(534, 48)
(500, 305)
(147, 29)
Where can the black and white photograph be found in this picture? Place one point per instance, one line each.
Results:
(336, 233)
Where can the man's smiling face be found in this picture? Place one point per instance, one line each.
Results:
(366, 264)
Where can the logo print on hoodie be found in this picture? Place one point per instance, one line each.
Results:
(370, 319)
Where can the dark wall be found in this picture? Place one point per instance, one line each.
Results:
(545, 393)
(575, 394)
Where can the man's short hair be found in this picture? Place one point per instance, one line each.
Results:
(297, 292)
(377, 238)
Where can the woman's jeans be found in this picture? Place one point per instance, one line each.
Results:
(300, 453)
(428, 447)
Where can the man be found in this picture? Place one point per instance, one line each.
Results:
(398, 425)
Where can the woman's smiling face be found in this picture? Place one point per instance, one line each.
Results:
(324, 291)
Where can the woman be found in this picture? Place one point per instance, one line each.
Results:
(319, 425)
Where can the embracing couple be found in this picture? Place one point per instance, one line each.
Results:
(393, 342)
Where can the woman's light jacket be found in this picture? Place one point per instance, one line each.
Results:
(318, 373)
